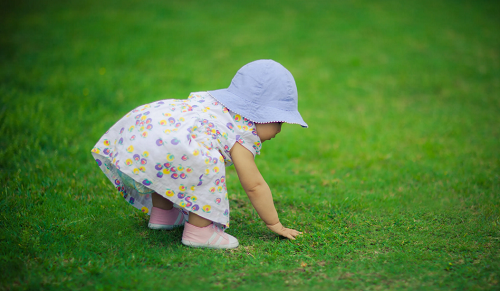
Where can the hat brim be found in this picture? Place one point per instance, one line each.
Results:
(259, 113)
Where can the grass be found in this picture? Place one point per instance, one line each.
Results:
(395, 184)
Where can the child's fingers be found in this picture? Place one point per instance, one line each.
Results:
(283, 231)
(290, 236)
(295, 232)
(292, 233)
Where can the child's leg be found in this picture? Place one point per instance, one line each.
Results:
(197, 220)
(161, 202)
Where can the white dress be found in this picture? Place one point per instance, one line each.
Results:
(178, 149)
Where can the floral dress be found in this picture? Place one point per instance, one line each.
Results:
(178, 149)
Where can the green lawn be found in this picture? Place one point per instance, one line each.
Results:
(396, 183)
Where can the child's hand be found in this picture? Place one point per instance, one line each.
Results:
(283, 231)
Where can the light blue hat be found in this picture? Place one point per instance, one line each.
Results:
(263, 91)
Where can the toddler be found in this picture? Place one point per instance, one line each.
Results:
(168, 158)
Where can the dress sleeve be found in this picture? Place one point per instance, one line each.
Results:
(246, 134)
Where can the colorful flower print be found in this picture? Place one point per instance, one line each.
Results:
(165, 127)
(99, 163)
(182, 204)
(96, 150)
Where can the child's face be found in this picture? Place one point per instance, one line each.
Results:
(266, 131)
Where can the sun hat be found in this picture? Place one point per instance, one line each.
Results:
(262, 91)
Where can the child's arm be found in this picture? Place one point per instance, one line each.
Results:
(258, 191)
